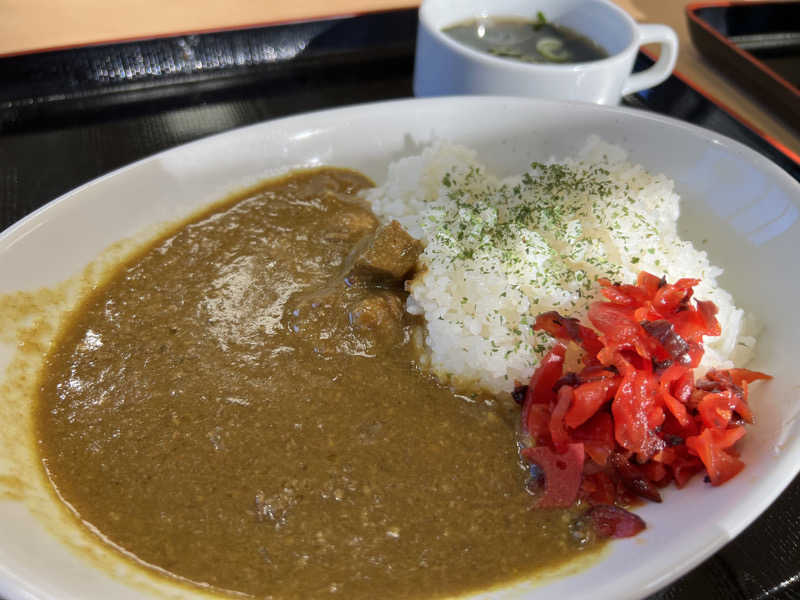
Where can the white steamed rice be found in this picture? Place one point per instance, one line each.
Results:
(500, 251)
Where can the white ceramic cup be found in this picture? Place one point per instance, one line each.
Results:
(444, 66)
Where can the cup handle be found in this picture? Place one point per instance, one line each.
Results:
(654, 34)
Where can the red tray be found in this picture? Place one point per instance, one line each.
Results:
(757, 44)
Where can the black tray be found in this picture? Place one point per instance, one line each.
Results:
(69, 116)
(757, 44)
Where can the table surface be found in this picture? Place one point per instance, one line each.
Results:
(30, 25)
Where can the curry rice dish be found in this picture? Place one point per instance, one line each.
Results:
(239, 406)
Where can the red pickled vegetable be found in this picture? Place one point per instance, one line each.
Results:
(664, 332)
(673, 402)
(716, 410)
(598, 488)
(684, 468)
(649, 283)
(683, 386)
(588, 398)
(618, 329)
(611, 521)
(597, 435)
(633, 478)
(568, 329)
(538, 424)
(540, 389)
(562, 474)
(669, 298)
(711, 447)
(633, 418)
(637, 414)
(558, 430)
(746, 376)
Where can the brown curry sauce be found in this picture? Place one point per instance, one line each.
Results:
(229, 409)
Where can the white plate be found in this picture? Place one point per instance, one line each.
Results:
(745, 206)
